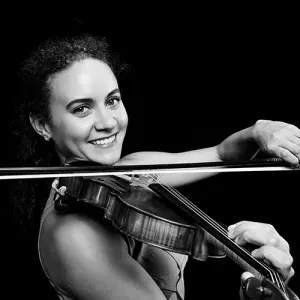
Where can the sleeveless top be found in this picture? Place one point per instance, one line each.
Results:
(165, 267)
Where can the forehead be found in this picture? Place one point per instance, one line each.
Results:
(88, 77)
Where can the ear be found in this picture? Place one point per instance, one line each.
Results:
(40, 127)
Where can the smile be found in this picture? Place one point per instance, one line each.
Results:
(104, 142)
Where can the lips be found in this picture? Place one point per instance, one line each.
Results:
(104, 141)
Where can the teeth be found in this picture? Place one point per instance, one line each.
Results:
(104, 141)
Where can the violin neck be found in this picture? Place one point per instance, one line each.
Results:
(239, 255)
(218, 236)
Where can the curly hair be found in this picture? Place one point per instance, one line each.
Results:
(46, 60)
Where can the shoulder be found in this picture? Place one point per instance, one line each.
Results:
(73, 242)
(89, 260)
(78, 227)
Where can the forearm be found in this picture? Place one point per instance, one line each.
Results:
(238, 146)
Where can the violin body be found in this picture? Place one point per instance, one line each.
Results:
(150, 213)
(138, 212)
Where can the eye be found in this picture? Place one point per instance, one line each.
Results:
(82, 110)
(113, 101)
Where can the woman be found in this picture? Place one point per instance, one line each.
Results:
(73, 109)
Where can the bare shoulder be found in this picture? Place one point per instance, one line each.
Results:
(75, 246)
(88, 259)
(73, 230)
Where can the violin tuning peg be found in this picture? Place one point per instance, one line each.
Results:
(253, 289)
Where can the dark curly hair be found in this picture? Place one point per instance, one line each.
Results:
(49, 58)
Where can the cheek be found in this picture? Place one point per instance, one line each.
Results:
(68, 130)
(124, 122)
(123, 119)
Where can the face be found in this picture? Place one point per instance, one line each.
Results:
(89, 120)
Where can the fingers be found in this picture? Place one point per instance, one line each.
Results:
(246, 275)
(278, 128)
(258, 234)
(282, 261)
(295, 140)
(291, 274)
(273, 248)
(294, 129)
(279, 139)
(287, 150)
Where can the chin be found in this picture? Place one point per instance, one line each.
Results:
(106, 160)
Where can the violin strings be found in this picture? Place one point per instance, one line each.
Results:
(274, 275)
(217, 226)
(179, 196)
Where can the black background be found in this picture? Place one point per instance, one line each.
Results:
(196, 78)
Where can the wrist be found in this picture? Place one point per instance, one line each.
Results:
(256, 128)
(241, 145)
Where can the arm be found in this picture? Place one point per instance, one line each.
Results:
(88, 261)
(275, 138)
(174, 179)
(239, 146)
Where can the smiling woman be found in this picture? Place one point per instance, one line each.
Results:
(89, 120)
(72, 108)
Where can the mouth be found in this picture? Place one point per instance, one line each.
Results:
(104, 142)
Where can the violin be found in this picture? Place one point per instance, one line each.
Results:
(143, 207)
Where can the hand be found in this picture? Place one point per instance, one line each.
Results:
(272, 248)
(279, 139)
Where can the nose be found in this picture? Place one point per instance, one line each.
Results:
(105, 119)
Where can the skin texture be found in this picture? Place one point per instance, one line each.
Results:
(89, 260)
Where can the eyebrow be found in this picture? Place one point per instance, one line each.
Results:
(89, 100)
